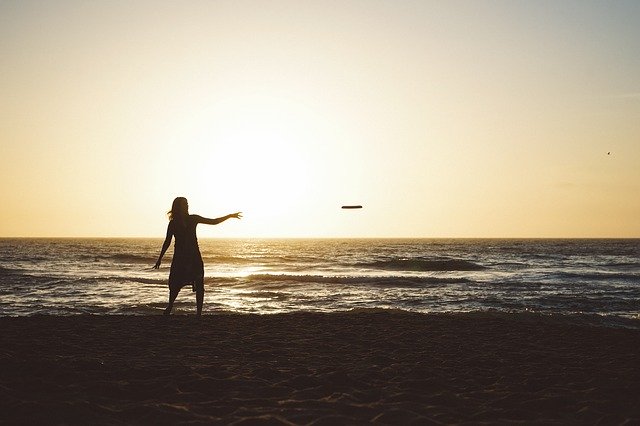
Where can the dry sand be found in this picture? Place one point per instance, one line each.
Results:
(339, 368)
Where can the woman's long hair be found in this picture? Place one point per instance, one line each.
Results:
(179, 210)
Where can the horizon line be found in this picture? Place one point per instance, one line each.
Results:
(327, 238)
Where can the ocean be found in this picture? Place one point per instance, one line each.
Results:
(599, 277)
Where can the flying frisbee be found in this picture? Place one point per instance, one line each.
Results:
(351, 207)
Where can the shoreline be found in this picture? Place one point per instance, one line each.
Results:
(316, 368)
(186, 309)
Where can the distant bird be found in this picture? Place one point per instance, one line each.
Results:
(609, 153)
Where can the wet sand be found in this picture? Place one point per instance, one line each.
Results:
(303, 368)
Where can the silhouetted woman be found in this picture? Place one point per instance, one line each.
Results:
(186, 266)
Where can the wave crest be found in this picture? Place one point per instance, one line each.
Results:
(424, 265)
(351, 280)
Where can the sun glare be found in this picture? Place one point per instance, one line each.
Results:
(260, 155)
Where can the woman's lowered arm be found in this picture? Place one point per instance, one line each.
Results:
(165, 246)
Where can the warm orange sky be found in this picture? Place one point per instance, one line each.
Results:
(444, 119)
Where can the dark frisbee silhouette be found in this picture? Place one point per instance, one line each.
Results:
(351, 207)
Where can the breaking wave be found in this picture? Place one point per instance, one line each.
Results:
(393, 281)
(424, 265)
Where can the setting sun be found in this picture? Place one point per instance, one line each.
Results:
(261, 154)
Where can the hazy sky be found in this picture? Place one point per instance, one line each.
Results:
(442, 118)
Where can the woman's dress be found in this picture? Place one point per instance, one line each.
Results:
(187, 266)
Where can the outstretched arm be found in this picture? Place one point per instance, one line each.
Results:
(165, 246)
(237, 215)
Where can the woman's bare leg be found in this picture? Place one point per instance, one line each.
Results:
(199, 298)
(173, 293)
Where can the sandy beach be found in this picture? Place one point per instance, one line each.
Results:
(303, 368)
